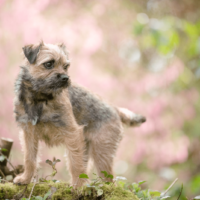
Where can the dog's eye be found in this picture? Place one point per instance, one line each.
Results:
(49, 64)
(66, 66)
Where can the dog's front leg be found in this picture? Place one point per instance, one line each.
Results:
(30, 147)
(76, 163)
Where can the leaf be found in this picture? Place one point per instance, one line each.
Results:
(55, 161)
(2, 158)
(121, 183)
(43, 180)
(121, 178)
(128, 186)
(9, 177)
(195, 184)
(54, 173)
(110, 176)
(89, 192)
(155, 193)
(83, 176)
(47, 194)
(89, 186)
(107, 183)
(197, 197)
(138, 28)
(38, 198)
(140, 195)
(99, 192)
(3, 150)
(165, 197)
(105, 173)
(141, 182)
(136, 187)
(49, 162)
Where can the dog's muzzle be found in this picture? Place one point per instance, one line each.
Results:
(62, 80)
(63, 77)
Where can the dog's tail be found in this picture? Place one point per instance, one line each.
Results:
(129, 118)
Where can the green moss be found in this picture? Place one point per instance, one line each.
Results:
(63, 192)
(117, 193)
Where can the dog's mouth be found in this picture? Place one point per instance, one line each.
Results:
(60, 84)
(54, 84)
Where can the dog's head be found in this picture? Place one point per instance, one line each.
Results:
(46, 67)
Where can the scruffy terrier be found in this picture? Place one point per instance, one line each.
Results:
(49, 108)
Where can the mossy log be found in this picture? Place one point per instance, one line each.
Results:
(5, 149)
(6, 143)
(62, 191)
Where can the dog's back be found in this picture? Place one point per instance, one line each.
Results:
(89, 110)
(92, 112)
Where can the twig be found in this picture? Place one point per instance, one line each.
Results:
(32, 191)
(180, 192)
(163, 194)
(12, 166)
(20, 195)
(2, 174)
(51, 175)
(4, 180)
(46, 177)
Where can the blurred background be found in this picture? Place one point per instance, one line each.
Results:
(143, 55)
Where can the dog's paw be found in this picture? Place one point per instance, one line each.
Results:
(137, 120)
(21, 180)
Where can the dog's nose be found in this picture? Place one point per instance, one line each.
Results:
(64, 78)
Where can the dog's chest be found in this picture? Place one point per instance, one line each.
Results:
(54, 113)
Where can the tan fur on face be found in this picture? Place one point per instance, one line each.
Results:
(66, 115)
(47, 53)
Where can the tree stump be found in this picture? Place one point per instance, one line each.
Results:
(6, 143)
(5, 149)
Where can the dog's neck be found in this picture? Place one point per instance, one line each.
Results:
(41, 97)
(25, 91)
(31, 100)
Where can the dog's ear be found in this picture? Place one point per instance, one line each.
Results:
(31, 52)
(63, 47)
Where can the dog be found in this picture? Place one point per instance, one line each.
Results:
(49, 107)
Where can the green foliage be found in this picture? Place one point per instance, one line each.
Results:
(83, 176)
(64, 191)
(195, 183)
(39, 197)
(143, 194)
(197, 197)
(141, 182)
(54, 172)
(170, 36)
(106, 175)
(3, 150)
(2, 158)
(116, 190)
